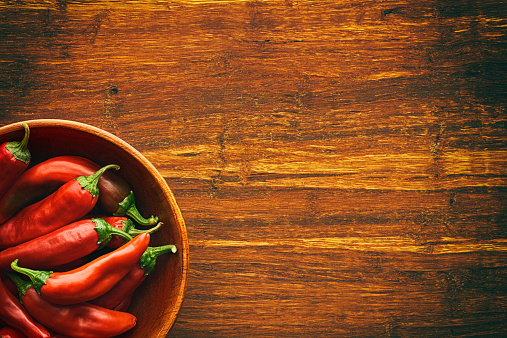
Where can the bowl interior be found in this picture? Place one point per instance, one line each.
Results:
(157, 301)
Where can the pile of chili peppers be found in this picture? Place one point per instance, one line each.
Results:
(71, 256)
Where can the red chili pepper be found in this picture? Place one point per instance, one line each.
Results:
(14, 158)
(116, 195)
(9, 284)
(69, 203)
(63, 245)
(9, 332)
(126, 225)
(13, 313)
(125, 303)
(128, 284)
(90, 280)
(82, 320)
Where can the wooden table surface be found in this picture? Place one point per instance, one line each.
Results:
(341, 165)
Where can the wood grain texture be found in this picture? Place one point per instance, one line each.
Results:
(340, 165)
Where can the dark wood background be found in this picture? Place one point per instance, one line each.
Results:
(341, 165)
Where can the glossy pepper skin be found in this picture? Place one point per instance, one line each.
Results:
(14, 159)
(38, 182)
(9, 332)
(44, 178)
(127, 285)
(69, 203)
(13, 313)
(81, 320)
(90, 280)
(62, 246)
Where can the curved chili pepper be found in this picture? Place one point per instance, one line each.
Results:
(14, 158)
(69, 203)
(63, 245)
(13, 313)
(82, 320)
(116, 195)
(128, 284)
(125, 224)
(10, 332)
(90, 280)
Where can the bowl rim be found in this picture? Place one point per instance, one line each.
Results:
(108, 136)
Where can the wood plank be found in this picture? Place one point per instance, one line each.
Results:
(341, 165)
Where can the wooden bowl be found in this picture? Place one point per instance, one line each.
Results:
(158, 300)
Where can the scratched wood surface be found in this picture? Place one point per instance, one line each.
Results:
(341, 165)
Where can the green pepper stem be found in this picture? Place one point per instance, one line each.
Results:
(38, 277)
(20, 149)
(120, 233)
(21, 284)
(90, 182)
(127, 207)
(134, 213)
(134, 232)
(106, 232)
(149, 258)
